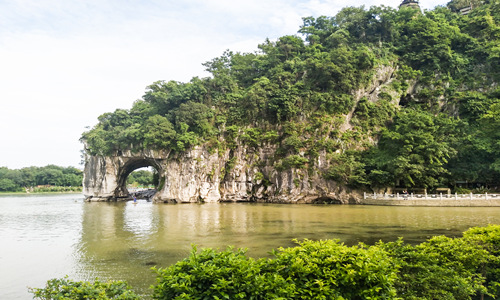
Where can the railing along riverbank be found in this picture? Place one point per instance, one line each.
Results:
(425, 199)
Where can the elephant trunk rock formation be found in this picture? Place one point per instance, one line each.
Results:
(242, 174)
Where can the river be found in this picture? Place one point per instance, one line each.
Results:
(50, 236)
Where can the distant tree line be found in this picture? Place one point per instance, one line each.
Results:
(142, 178)
(30, 177)
(436, 124)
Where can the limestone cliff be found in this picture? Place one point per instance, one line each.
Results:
(239, 173)
(200, 176)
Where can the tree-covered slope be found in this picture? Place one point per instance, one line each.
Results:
(434, 121)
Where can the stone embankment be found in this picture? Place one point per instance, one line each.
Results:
(457, 200)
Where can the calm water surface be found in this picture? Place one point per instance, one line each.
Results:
(50, 236)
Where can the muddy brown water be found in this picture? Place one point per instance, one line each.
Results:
(50, 236)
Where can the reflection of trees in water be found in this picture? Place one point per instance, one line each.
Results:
(111, 244)
(129, 238)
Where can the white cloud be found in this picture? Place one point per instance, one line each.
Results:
(63, 63)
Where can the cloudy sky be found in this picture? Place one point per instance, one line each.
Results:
(63, 63)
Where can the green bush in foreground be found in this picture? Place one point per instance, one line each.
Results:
(312, 270)
(330, 270)
(440, 268)
(65, 289)
(228, 274)
(489, 239)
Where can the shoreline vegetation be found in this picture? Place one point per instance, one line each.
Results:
(50, 178)
(466, 267)
(51, 190)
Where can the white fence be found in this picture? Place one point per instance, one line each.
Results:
(440, 196)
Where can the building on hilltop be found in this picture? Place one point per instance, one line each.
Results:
(465, 10)
(464, 7)
(410, 3)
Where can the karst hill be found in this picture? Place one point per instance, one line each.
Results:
(367, 100)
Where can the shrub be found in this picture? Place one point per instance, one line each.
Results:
(63, 289)
(218, 275)
(489, 239)
(312, 270)
(347, 169)
(293, 143)
(460, 190)
(441, 268)
(56, 189)
(330, 270)
(252, 137)
(292, 161)
(259, 176)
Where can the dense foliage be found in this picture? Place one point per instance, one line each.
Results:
(433, 122)
(31, 177)
(312, 270)
(142, 178)
(65, 289)
(440, 268)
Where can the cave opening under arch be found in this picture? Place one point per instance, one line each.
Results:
(132, 165)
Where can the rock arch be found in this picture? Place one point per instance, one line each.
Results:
(132, 164)
(105, 177)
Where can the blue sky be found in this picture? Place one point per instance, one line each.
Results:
(63, 63)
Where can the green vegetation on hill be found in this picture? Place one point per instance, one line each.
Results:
(434, 121)
(51, 178)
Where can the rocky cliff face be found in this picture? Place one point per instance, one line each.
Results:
(242, 173)
(99, 178)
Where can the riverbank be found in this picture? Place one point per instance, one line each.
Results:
(38, 193)
(444, 200)
(433, 202)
